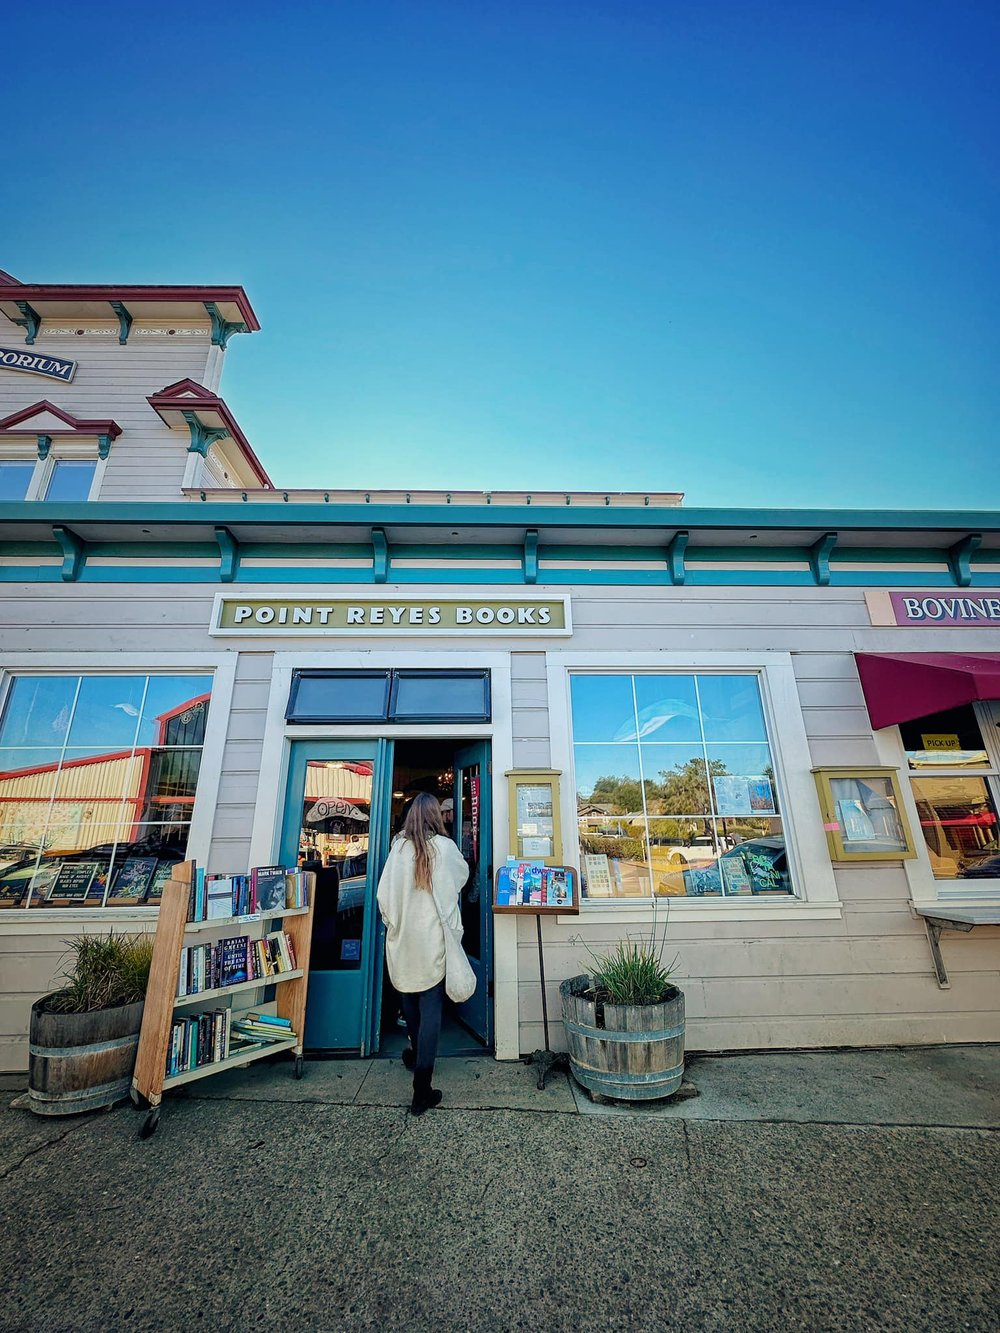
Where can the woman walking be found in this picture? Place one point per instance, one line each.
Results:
(419, 887)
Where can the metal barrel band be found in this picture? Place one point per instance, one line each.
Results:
(604, 1034)
(605, 1079)
(86, 1048)
(119, 1087)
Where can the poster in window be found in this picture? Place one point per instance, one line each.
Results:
(133, 879)
(735, 796)
(73, 880)
(598, 872)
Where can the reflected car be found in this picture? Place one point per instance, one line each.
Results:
(764, 862)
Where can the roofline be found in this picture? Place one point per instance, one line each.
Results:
(187, 513)
(211, 402)
(22, 291)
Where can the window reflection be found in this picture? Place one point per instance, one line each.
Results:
(680, 798)
(72, 814)
(958, 818)
(334, 843)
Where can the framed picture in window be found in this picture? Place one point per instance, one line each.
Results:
(535, 828)
(863, 814)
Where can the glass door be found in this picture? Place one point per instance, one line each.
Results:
(473, 832)
(336, 815)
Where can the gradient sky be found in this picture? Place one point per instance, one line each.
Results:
(746, 250)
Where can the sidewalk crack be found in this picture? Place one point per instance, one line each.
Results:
(39, 1147)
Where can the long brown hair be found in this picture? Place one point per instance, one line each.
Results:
(423, 820)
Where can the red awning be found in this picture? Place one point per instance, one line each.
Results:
(900, 687)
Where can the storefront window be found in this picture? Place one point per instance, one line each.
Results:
(955, 787)
(676, 792)
(97, 784)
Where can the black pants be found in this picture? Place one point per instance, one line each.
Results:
(422, 1012)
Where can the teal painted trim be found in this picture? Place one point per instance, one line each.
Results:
(960, 558)
(103, 446)
(529, 558)
(159, 550)
(27, 548)
(229, 549)
(222, 329)
(380, 556)
(819, 558)
(484, 517)
(675, 557)
(44, 445)
(305, 550)
(208, 576)
(124, 321)
(73, 553)
(30, 321)
(202, 436)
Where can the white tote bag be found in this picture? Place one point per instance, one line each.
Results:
(459, 978)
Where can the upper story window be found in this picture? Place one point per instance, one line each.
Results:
(676, 787)
(15, 478)
(70, 479)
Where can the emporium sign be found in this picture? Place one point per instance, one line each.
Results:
(385, 616)
(924, 610)
(37, 363)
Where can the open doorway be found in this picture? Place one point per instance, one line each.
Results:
(457, 773)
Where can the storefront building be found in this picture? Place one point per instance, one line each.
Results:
(775, 732)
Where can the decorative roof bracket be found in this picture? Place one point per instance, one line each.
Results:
(222, 329)
(31, 322)
(380, 556)
(202, 436)
(124, 321)
(819, 558)
(530, 560)
(103, 446)
(675, 557)
(960, 558)
(73, 552)
(44, 445)
(229, 549)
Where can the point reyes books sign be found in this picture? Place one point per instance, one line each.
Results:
(384, 616)
(927, 610)
(37, 363)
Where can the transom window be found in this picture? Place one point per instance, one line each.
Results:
(403, 695)
(676, 787)
(954, 762)
(97, 784)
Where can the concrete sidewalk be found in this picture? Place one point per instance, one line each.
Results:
(826, 1191)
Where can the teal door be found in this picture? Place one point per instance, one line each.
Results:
(473, 832)
(337, 811)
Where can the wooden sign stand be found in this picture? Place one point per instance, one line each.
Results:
(545, 1060)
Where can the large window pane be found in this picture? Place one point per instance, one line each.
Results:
(37, 710)
(107, 712)
(103, 798)
(667, 708)
(695, 783)
(603, 708)
(958, 818)
(334, 842)
(340, 698)
(70, 480)
(15, 478)
(731, 708)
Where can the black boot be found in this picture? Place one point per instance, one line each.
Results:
(424, 1096)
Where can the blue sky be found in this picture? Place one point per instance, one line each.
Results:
(744, 250)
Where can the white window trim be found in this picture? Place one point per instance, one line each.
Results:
(805, 841)
(274, 764)
(925, 890)
(34, 920)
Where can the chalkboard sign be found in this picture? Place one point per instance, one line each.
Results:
(132, 879)
(73, 880)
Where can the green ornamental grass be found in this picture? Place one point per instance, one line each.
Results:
(633, 971)
(107, 970)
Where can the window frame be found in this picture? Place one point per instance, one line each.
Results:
(925, 889)
(812, 873)
(391, 677)
(41, 919)
(62, 450)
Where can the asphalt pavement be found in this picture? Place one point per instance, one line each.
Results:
(826, 1191)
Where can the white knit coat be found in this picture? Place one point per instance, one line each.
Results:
(414, 940)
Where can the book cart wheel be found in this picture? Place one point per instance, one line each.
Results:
(150, 1123)
(297, 1071)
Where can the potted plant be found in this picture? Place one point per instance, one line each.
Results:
(84, 1036)
(624, 1023)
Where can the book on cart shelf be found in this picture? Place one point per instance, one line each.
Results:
(204, 1009)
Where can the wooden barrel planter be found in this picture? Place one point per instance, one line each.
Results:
(80, 1062)
(626, 1052)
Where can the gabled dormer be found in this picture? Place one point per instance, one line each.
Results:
(47, 453)
(219, 452)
